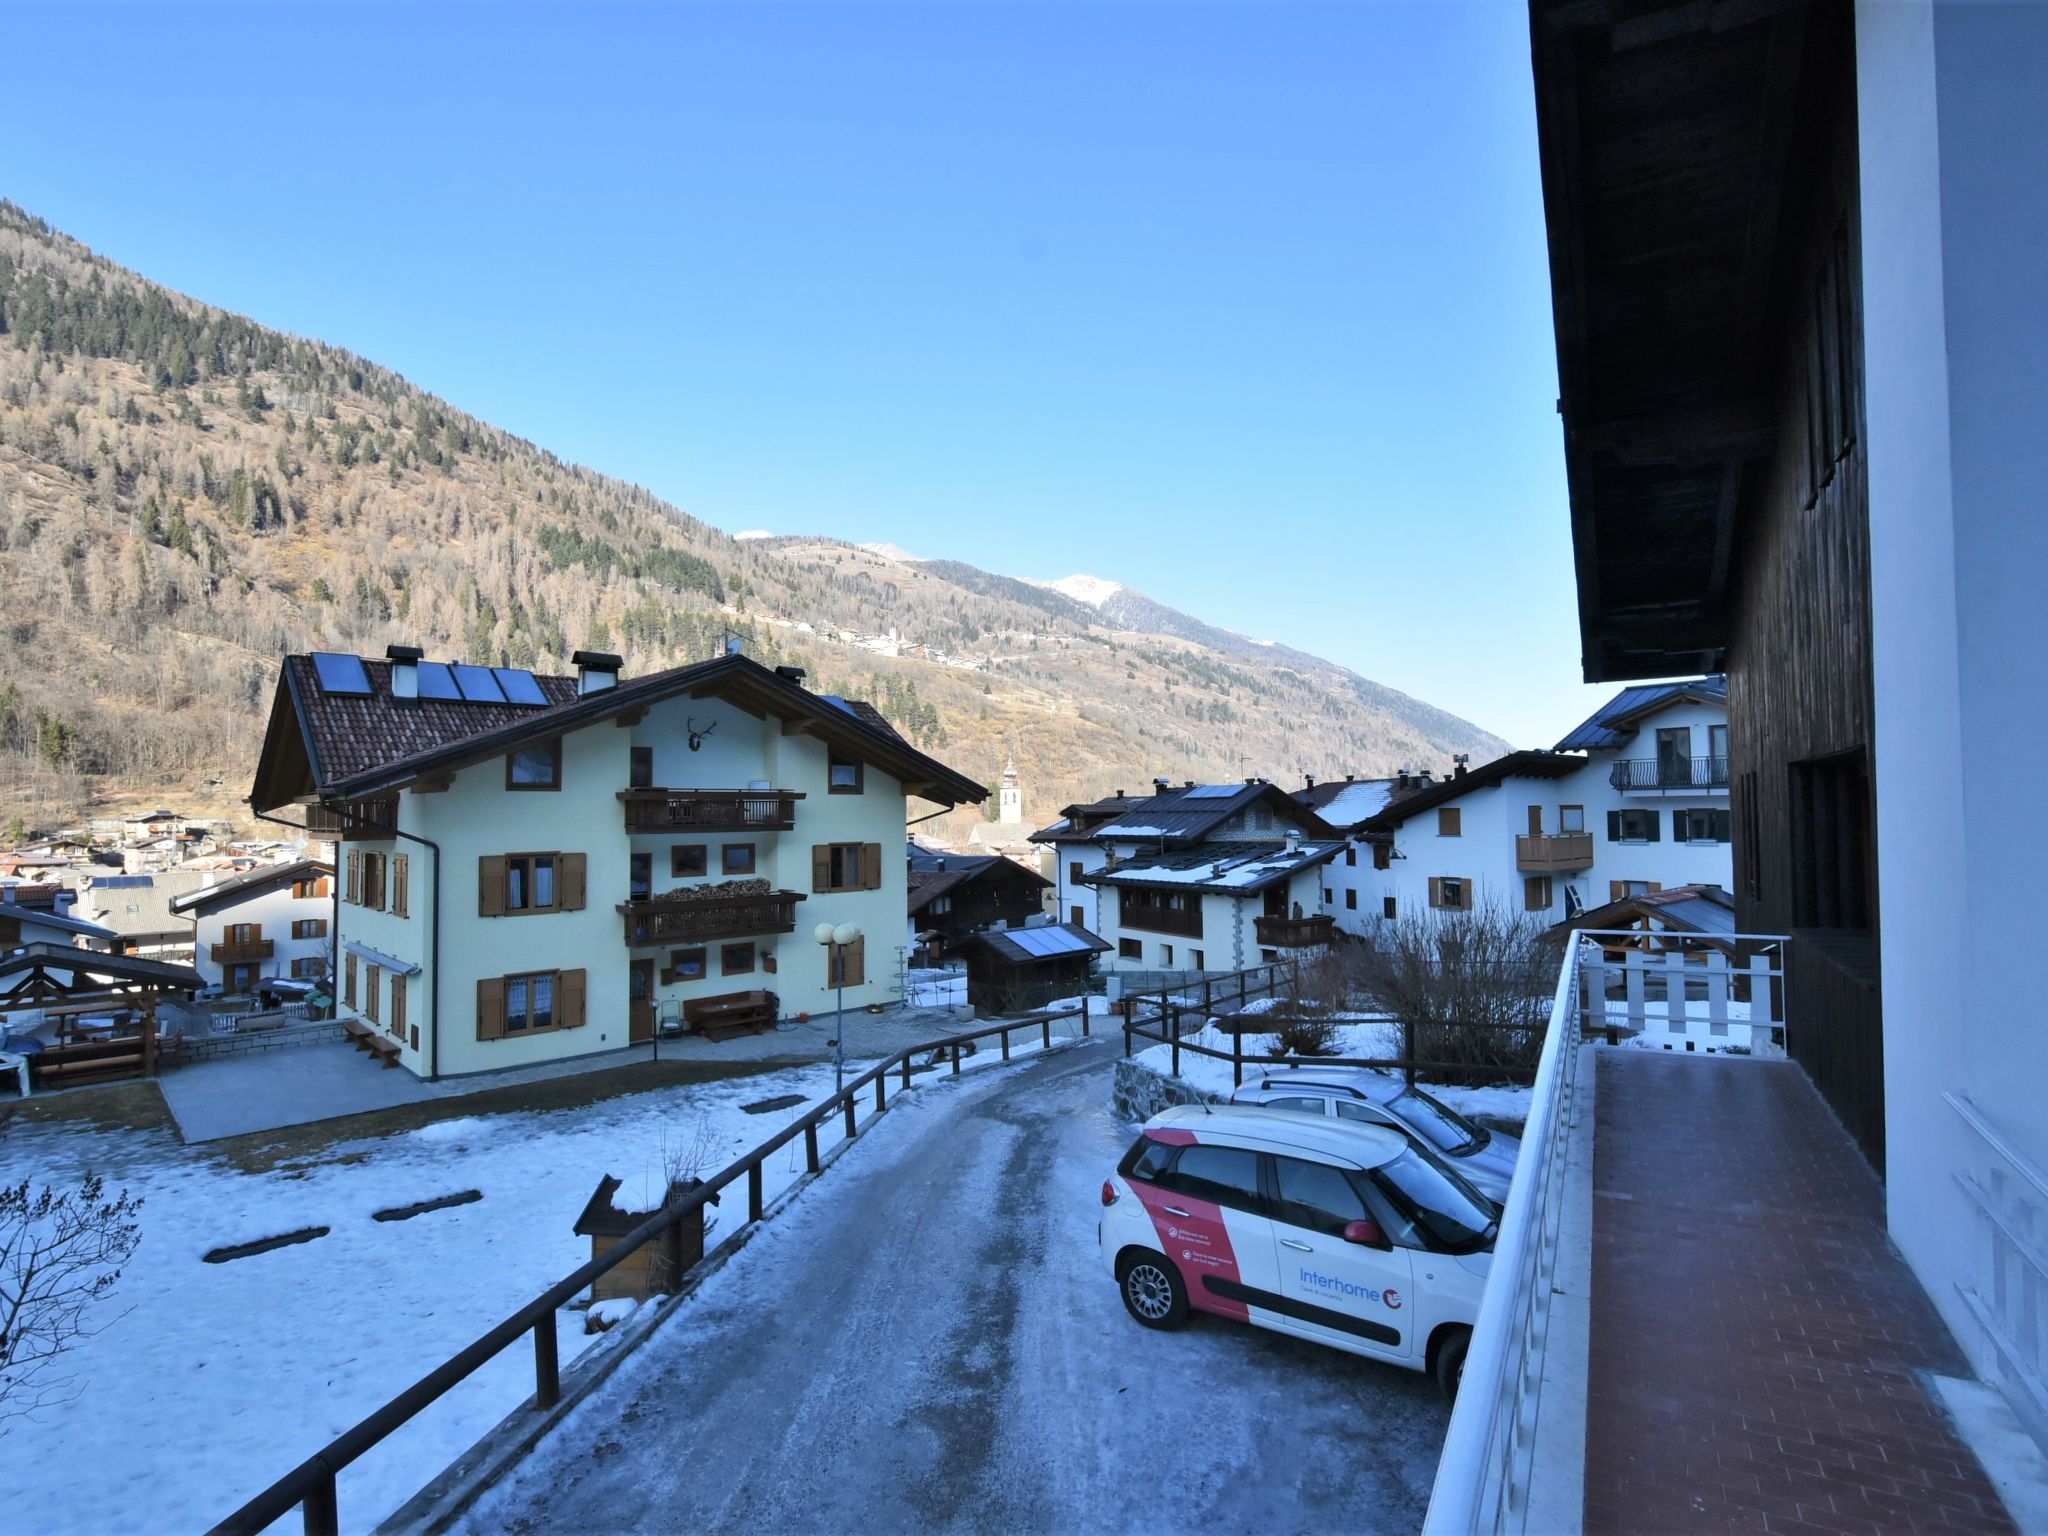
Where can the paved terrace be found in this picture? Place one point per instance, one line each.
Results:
(1757, 1346)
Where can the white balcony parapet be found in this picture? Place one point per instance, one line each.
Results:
(1483, 1478)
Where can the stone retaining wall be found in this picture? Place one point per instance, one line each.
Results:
(1139, 1093)
(243, 1042)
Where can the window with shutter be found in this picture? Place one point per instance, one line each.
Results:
(1614, 826)
(570, 1003)
(348, 981)
(871, 866)
(398, 1006)
(1679, 819)
(373, 993)
(846, 866)
(848, 964)
(354, 889)
(1450, 822)
(1382, 855)
(401, 884)
(574, 866)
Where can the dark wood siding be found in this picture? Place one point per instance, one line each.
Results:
(1799, 658)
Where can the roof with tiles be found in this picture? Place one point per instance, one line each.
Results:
(1616, 721)
(1515, 765)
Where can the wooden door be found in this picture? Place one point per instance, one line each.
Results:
(640, 1002)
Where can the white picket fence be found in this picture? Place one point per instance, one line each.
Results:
(1704, 999)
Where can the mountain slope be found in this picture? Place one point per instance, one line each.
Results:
(185, 494)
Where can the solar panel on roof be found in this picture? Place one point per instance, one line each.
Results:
(1046, 941)
(837, 703)
(340, 674)
(520, 687)
(477, 685)
(1212, 791)
(437, 682)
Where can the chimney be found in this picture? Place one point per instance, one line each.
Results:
(791, 674)
(1461, 770)
(1251, 778)
(596, 671)
(1293, 839)
(405, 670)
(1349, 780)
(1118, 794)
(1401, 780)
(1161, 786)
(1310, 779)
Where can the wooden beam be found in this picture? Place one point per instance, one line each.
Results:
(435, 786)
(1735, 429)
(798, 727)
(630, 718)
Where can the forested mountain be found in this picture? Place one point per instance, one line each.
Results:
(185, 495)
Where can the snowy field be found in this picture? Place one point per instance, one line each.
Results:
(1368, 1040)
(209, 1381)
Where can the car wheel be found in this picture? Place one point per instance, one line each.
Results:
(1152, 1290)
(1450, 1362)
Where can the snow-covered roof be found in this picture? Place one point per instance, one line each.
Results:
(1345, 805)
(1236, 869)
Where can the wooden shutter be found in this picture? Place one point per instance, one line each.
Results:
(853, 963)
(355, 876)
(1616, 889)
(490, 898)
(401, 884)
(490, 1007)
(348, 982)
(397, 1004)
(321, 887)
(1535, 821)
(569, 989)
(871, 866)
(1724, 827)
(373, 993)
(821, 866)
(1436, 891)
(1678, 820)
(1614, 826)
(1656, 824)
(570, 888)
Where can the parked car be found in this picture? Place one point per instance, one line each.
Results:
(1333, 1230)
(1486, 1158)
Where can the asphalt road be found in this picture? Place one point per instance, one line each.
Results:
(928, 1341)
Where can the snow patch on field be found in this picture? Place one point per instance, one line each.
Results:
(209, 1381)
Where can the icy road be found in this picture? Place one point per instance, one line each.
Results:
(927, 1341)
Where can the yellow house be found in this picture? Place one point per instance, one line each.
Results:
(540, 867)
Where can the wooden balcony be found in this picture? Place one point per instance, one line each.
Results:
(710, 810)
(1178, 922)
(1553, 854)
(676, 919)
(244, 953)
(373, 819)
(1294, 932)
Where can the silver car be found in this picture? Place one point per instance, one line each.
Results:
(1486, 1158)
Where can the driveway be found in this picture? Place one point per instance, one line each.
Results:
(927, 1341)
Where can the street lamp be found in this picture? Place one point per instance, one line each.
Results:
(841, 936)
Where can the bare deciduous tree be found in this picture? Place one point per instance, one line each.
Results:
(61, 1251)
(1470, 989)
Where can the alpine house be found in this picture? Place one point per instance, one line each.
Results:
(541, 867)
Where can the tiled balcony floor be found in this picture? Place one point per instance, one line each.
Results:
(1755, 1339)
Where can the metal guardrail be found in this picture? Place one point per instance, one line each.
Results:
(310, 1486)
(1670, 773)
(1482, 1477)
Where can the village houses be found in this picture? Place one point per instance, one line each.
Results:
(537, 868)
(270, 923)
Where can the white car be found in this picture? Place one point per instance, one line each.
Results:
(1332, 1230)
(1486, 1158)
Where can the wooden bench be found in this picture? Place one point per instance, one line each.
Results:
(384, 1046)
(85, 1063)
(360, 1034)
(732, 1013)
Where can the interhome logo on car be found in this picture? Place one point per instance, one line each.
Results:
(1390, 1298)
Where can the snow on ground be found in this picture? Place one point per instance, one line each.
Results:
(938, 987)
(1375, 1039)
(209, 1381)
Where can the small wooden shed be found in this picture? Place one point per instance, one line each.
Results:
(1013, 968)
(658, 1265)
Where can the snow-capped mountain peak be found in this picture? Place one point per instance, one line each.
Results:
(1092, 590)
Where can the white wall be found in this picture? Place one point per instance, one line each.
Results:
(276, 909)
(1953, 150)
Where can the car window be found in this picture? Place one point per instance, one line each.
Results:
(1317, 1196)
(1311, 1106)
(1226, 1175)
(1445, 1129)
(1146, 1159)
(1365, 1112)
(1454, 1216)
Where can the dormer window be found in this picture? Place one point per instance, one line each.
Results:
(537, 765)
(843, 775)
(1262, 819)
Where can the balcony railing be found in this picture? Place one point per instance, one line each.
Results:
(674, 919)
(710, 810)
(1294, 932)
(243, 953)
(355, 820)
(1670, 773)
(1538, 853)
(1181, 922)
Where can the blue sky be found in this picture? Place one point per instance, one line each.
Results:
(1243, 305)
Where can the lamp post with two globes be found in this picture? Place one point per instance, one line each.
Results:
(835, 973)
